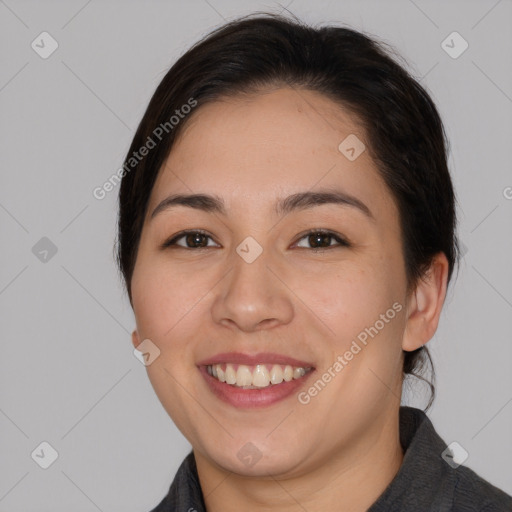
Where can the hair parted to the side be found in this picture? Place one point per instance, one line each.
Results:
(404, 131)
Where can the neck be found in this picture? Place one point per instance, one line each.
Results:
(350, 479)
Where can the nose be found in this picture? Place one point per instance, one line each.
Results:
(253, 296)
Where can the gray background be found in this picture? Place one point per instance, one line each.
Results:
(68, 375)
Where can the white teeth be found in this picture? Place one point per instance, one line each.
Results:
(298, 373)
(276, 374)
(259, 377)
(230, 375)
(243, 376)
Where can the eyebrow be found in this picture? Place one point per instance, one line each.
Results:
(294, 202)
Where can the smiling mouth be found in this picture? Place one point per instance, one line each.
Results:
(257, 376)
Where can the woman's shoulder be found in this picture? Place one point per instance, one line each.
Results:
(474, 493)
(430, 479)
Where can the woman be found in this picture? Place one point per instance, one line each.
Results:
(286, 236)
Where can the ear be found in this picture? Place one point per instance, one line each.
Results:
(425, 304)
(135, 338)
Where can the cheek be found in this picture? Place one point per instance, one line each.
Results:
(163, 296)
(361, 314)
(165, 303)
(346, 299)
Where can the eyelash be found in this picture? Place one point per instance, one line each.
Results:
(341, 241)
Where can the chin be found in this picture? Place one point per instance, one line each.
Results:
(256, 459)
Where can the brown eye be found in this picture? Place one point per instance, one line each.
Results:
(196, 239)
(192, 240)
(322, 239)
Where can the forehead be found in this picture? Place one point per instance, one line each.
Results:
(252, 149)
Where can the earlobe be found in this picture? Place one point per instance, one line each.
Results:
(425, 305)
(135, 338)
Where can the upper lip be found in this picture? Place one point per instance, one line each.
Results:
(251, 360)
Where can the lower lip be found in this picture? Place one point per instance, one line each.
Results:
(252, 398)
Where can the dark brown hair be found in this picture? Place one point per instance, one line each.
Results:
(405, 135)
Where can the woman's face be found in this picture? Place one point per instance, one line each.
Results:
(254, 290)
